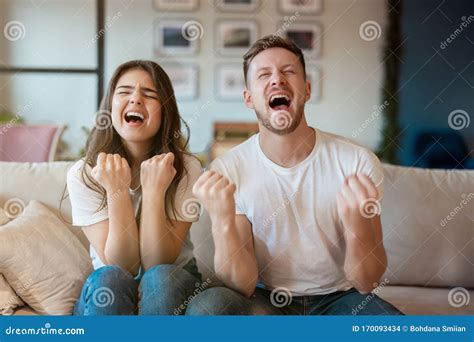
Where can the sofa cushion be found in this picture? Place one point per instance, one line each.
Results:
(9, 300)
(427, 220)
(43, 182)
(412, 300)
(43, 261)
(4, 218)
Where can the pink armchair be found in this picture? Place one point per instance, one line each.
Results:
(29, 143)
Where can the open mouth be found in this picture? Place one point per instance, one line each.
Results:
(134, 117)
(280, 102)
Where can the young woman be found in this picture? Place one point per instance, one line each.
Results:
(132, 196)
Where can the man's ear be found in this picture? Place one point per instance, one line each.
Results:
(248, 99)
(308, 90)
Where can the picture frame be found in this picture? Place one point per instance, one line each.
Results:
(314, 75)
(308, 37)
(229, 82)
(185, 79)
(248, 6)
(234, 37)
(303, 7)
(168, 38)
(175, 5)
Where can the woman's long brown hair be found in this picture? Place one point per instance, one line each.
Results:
(169, 137)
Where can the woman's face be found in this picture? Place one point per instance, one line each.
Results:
(136, 108)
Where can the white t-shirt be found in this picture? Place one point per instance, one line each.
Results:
(85, 202)
(298, 238)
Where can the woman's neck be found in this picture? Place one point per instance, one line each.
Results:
(137, 152)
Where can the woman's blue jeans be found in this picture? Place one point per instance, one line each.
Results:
(162, 290)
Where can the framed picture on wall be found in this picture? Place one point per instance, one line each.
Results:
(303, 7)
(234, 37)
(175, 5)
(313, 74)
(237, 5)
(169, 38)
(185, 79)
(308, 36)
(229, 82)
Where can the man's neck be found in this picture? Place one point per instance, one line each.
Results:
(290, 149)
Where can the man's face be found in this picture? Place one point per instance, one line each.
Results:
(277, 90)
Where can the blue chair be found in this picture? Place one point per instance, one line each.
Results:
(442, 150)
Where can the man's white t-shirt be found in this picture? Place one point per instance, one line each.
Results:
(85, 202)
(298, 238)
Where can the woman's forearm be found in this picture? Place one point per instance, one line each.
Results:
(157, 242)
(122, 246)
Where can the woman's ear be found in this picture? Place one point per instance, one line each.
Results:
(248, 99)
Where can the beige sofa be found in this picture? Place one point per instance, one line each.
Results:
(427, 218)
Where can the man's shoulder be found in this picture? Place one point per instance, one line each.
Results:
(342, 145)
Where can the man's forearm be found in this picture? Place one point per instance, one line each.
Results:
(234, 265)
(365, 261)
(157, 243)
(121, 247)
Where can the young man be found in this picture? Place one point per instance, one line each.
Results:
(292, 207)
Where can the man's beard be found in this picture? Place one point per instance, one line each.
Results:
(281, 123)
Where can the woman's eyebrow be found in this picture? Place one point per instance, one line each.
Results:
(143, 88)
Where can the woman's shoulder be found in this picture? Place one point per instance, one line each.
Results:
(75, 172)
(76, 167)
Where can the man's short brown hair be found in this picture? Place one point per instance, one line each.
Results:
(272, 41)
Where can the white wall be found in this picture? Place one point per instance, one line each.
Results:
(350, 66)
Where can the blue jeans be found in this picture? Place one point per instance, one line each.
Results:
(224, 301)
(162, 290)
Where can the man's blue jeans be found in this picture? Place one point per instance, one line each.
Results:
(224, 301)
(162, 290)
